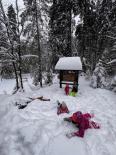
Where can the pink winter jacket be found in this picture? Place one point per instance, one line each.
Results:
(83, 122)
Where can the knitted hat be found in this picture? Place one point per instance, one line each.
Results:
(64, 104)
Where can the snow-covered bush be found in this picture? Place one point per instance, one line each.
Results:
(113, 84)
(98, 79)
(88, 74)
(49, 77)
(86, 68)
(85, 64)
(6, 71)
(36, 76)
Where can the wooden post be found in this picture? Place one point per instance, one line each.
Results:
(77, 78)
(61, 77)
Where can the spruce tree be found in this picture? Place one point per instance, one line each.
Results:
(12, 21)
(14, 34)
(60, 25)
(9, 52)
(92, 34)
(36, 14)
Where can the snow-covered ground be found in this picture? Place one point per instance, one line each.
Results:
(38, 130)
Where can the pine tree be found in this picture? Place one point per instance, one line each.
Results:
(12, 33)
(110, 59)
(86, 32)
(3, 37)
(61, 26)
(36, 15)
(12, 21)
(13, 36)
(5, 64)
(92, 34)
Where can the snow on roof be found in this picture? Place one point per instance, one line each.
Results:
(69, 63)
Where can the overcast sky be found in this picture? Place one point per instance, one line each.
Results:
(6, 3)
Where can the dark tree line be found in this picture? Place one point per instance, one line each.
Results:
(98, 20)
(95, 34)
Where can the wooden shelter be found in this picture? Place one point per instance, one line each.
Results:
(69, 68)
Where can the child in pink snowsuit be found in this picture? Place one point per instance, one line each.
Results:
(83, 122)
(66, 89)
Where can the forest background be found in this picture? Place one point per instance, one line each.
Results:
(34, 34)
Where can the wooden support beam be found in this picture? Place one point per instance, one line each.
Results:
(61, 77)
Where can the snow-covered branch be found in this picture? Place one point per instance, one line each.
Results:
(29, 56)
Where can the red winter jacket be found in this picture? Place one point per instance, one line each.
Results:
(67, 89)
(83, 122)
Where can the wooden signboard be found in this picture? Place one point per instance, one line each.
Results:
(69, 77)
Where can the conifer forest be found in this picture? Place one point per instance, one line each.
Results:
(35, 36)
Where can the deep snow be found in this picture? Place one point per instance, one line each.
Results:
(37, 130)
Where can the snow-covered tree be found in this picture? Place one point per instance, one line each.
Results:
(13, 30)
(113, 84)
(98, 79)
(93, 32)
(61, 26)
(36, 20)
(12, 22)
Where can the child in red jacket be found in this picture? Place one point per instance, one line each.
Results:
(66, 89)
(82, 121)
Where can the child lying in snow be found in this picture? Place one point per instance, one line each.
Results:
(22, 106)
(39, 98)
(82, 121)
(62, 108)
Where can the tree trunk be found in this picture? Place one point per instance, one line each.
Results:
(19, 65)
(38, 44)
(19, 48)
(69, 37)
(15, 71)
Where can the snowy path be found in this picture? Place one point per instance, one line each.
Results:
(37, 130)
